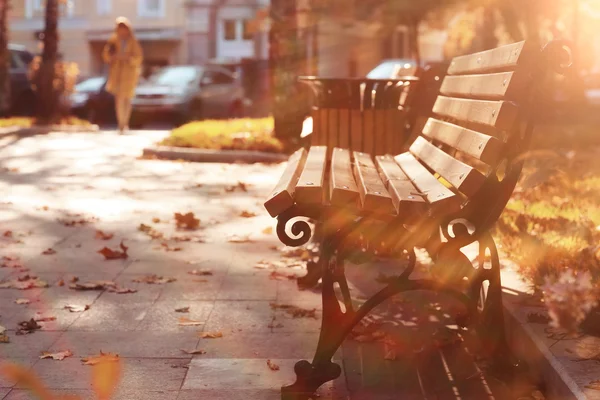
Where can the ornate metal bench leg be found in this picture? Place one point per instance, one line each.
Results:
(314, 270)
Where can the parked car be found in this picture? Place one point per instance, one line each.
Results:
(187, 92)
(91, 101)
(22, 97)
(393, 68)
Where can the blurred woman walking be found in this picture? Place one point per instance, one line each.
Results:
(123, 54)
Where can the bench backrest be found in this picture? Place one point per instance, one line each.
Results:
(360, 114)
(477, 123)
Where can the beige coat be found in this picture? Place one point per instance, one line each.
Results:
(124, 74)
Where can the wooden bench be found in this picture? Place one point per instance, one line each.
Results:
(442, 194)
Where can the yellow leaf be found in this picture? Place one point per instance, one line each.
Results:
(106, 375)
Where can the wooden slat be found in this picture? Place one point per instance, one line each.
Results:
(373, 193)
(428, 186)
(400, 188)
(462, 176)
(380, 133)
(344, 130)
(317, 134)
(369, 132)
(356, 130)
(332, 131)
(497, 114)
(478, 145)
(500, 59)
(504, 85)
(342, 188)
(282, 196)
(309, 188)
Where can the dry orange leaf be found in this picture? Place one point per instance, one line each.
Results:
(187, 221)
(106, 374)
(58, 356)
(248, 214)
(101, 358)
(110, 254)
(49, 252)
(268, 230)
(239, 239)
(200, 272)
(22, 301)
(183, 321)
(196, 351)
(272, 366)
(154, 280)
(104, 236)
(74, 308)
(211, 335)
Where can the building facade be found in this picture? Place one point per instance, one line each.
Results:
(170, 31)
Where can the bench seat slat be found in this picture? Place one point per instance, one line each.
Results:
(504, 85)
(309, 189)
(462, 176)
(282, 196)
(400, 188)
(342, 187)
(497, 114)
(428, 186)
(478, 145)
(374, 196)
(502, 58)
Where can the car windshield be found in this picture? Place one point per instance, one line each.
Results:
(392, 69)
(90, 85)
(175, 76)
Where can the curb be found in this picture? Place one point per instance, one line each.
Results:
(44, 130)
(213, 156)
(527, 346)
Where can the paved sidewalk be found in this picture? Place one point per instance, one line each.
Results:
(58, 190)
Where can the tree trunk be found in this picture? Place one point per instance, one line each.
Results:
(4, 59)
(48, 107)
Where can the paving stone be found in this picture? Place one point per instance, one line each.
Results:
(112, 315)
(205, 288)
(27, 346)
(240, 287)
(22, 362)
(285, 322)
(240, 316)
(261, 345)
(146, 344)
(18, 313)
(162, 317)
(289, 293)
(154, 374)
(66, 374)
(3, 393)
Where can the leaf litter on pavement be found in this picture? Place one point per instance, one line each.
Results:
(153, 279)
(186, 221)
(183, 321)
(75, 308)
(272, 366)
(193, 352)
(3, 336)
(110, 254)
(25, 282)
(101, 358)
(58, 356)
(100, 235)
(294, 311)
(200, 272)
(210, 335)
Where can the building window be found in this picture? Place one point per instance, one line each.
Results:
(248, 27)
(230, 29)
(103, 7)
(33, 7)
(151, 8)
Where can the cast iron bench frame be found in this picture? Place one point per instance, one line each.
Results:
(443, 194)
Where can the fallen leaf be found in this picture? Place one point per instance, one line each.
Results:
(59, 356)
(201, 272)
(279, 276)
(188, 322)
(3, 336)
(239, 239)
(110, 254)
(74, 308)
(154, 280)
(156, 220)
(248, 214)
(104, 236)
(49, 252)
(182, 310)
(268, 231)
(40, 318)
(196, 351)
(295, 312)
(8, 234)
(240, 186)
(22, 301)
(148, 230)
(272, 366)
(102, 358)
(594, 385)
(106, 374)
(26, 327)
(122, 290)
(167, 247)
(93, 285)
(187, 221)
(211, 335)
(25, 283)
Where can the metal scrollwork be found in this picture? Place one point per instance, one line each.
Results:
(299, 228)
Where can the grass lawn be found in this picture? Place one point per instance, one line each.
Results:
(552, 223)
(236, 134)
